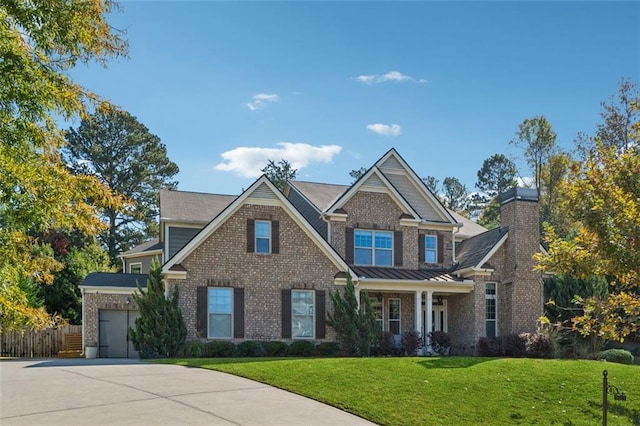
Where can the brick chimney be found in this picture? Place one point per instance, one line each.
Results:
(523, 291)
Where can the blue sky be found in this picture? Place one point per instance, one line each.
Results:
(331, 86)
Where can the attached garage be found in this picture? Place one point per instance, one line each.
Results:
(108, 310)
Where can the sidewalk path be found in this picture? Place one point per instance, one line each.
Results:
(129, 392)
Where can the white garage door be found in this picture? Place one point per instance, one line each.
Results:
(114, 339)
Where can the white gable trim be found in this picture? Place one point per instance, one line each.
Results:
(247, 198)
(361, 185)
(418, 183)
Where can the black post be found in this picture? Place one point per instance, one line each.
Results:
(605, 388)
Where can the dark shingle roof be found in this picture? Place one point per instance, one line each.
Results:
(182, 206)
(112, 279)
(404, 274)
(150, 245)
(470, 252)
(322, 195)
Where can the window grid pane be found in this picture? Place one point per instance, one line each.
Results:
(373, 248)
(430, 249)
(263, 236)
(302, 314)
(220, 312)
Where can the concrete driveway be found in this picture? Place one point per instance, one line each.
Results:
(110, 391)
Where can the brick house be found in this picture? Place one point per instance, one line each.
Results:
(260, 266)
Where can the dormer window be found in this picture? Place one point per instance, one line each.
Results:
(373, 248)
(431, 248)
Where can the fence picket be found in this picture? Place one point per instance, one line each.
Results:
(35, 344)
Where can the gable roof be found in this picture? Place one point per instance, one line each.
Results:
(321, 195)
(469, 227)
(475, 251)
(194, 207)
(262, 191)
(150, 246)
(114, 279)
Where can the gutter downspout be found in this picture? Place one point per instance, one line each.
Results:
(83, 320)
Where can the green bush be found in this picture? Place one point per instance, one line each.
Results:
(327, 349)
(249, 348)
(440, 342)
(410, 342)
(194, 349)
(386, 344)
(620, 356)
(219, 349)
(301, 348)
(276, 348)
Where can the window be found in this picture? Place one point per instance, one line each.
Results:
(373, 247)
(135, 268)
(394, 316)
(431, 249)
(491, 312)
(220, 313)
(263, 236)
(378, 313)
(302, 314)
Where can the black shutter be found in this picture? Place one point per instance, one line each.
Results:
(440, 249)
(348, 245)
(421, 248)
(251, 235)
(202, 311)
(275, 237)
(238, 313)
(397, 248)
(321, 313)
(286, 314)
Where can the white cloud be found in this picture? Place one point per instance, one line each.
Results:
(261, 99)
(249, 161)
(390, 76)
(385, 129)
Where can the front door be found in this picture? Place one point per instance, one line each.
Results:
(114, 339)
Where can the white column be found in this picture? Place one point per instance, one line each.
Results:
(357, 291)
(429, 309)
(419, 313)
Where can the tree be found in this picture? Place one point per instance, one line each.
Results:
(455, 194)
(357, 173)
(160, 330)
(39, 43)
(602, 195)
(432, 183)
(279, 173)
(354, 325)
(538, 140)
(121, 153)
(553, 174)
(496, 175)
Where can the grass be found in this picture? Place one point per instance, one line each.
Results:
(455, 390)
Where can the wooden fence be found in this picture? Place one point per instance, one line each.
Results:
(35, 344)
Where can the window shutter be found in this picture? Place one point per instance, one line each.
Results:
(286, 314)
(238, 313)
(440, 249)
(421, 248)
(202, 311)
(251, 236)
(321, 313)
(348, 244)
(275, 237)
(397, 248)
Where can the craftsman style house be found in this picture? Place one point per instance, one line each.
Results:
(260, 266)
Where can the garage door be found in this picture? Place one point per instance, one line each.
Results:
(114, 333)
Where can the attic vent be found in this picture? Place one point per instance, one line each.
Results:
(263, 191)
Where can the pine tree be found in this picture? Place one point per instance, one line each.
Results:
(160, 330)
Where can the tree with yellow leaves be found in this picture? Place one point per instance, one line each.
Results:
(40, 41)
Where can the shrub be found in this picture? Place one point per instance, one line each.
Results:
(301, 348)
(411, 342)
(327, 349)
(386, 343)
(219, 349)
(539, 346)
(249, 348)
(620, 356)
(440, 342)
(514, 345)
(194, 349)
(276, 348)
(489, 346)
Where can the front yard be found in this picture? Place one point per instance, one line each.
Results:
(451, 391)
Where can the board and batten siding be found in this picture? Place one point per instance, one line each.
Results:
(179, 237)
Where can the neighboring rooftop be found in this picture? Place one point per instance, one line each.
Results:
(114, 279)
(151, 245)
(470, 252)
(469, 228)
(193, 207)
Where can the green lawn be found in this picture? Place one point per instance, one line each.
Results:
(450, 391)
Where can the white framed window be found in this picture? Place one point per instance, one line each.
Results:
(491, 309)
(431, 249)
(263, 236)
(374, 248)
(394, 316)
(378, 313)
(220, 302)
(135, 268)
(302, 314)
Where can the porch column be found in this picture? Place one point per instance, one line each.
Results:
(428, 313)
(357, 291)
(419, 313)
